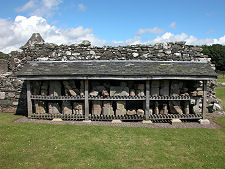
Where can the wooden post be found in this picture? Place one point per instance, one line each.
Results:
(86, 100)
(147, 89)
(29, 102)
(204, 98)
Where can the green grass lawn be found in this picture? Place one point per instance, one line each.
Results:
(221, 79)
(26, 145)
(220, 93)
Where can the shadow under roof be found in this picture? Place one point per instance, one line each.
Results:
(115, 69)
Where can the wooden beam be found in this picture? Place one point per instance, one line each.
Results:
(204, 98)
(147, 89)
(29, 102)
(86, 102)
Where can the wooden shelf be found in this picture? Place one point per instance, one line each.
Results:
(117, 98)
(39, 97)
(169, 98)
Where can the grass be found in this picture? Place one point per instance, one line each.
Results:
(221, 78)
(220, 93)
(26, 145)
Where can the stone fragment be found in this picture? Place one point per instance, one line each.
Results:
(131, 112)
(174, 121)
(2, 95)
(121, 104)
(40, 107)
(200, 93)
(107, 111)
(165, 109)
(120, 112)
(119, 91)
(140, 92)
(96, 108)
(70, 88)
(147, 122)
(57, 119)
(54, 108)
(105, 93)
(186, 107)
(55, 88)
(204, 121)
(66, 107)
(176, 110)
(116, 121)
(156, 110)
(140, 112)
(93, 93)
(78, 108)
(132, 92)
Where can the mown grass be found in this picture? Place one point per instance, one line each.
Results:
(26, 145)
(220, 93)
(221, 78)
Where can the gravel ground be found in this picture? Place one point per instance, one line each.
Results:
(195, 124)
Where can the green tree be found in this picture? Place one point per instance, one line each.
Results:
(217, 53)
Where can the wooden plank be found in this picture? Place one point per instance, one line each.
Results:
(86, 102)
(118, 77)
(29, 102)
(147, 101)
(204, 98)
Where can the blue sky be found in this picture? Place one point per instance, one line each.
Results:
(117, 22)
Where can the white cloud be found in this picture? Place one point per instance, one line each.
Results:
(173, 25)
(154, 30)
(15, 34)
(40, 7)
(81, 7)
(132, 41)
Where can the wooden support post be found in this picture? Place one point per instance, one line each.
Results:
(29, 102)
(147, 89)
(204, 98)
(86, 102)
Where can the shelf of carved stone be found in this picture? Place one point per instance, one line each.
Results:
(114, 117)
(169, 98)
(39, 97)
(117, 98)
(174, 116)
(48, 116)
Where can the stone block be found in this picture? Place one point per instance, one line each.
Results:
(174, 121)
(204, 121)
(93, 93)
(132, 92)
(120, 112)
(119, 91)
(2, 95)
(66, 107)
(57, 119)
(140, 112)
(107, 104)
(40, 107)
(116, 121)
(54, 108)
(107, 111)
(131, 112)
(147, 122)
(140, 92)
(186, 107)
(121, 104)
(96, 108)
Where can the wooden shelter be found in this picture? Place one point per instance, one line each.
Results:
(113, 89)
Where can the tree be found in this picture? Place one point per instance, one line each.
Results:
(217, 53)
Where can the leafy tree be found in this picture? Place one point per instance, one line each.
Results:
(217, 53)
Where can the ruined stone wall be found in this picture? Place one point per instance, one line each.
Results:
(11, 97)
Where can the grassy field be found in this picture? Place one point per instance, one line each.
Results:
(25, 145)
(221, 78)
(220, 93)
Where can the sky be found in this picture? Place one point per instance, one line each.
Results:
(112, 22)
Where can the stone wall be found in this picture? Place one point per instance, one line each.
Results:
(11, 97)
